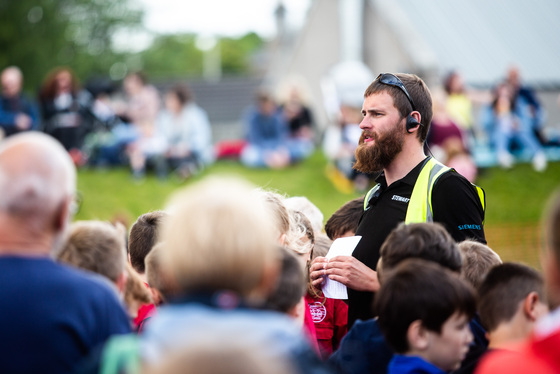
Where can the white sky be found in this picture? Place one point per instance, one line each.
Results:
(208, 18)
(219, 17)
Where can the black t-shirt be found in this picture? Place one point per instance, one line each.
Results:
(455, 204)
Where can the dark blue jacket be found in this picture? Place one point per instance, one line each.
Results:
(53, 316)
(362, 350)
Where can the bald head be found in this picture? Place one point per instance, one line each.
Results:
(11, 80)
(37, 178)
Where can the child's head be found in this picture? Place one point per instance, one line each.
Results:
(478, 259)
(239, 355)
(98, 247)
(424, 310)
(302, 204)
(321, 247)
(142, 237)
(277, 211)
(344, 222)
(427, 241)
(300, 237)
(287, 296)
(156, 275)
(136, 293)
(220, 237)
(510, 289)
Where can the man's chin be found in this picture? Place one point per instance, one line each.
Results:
(366, 170)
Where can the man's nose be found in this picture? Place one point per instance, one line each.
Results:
(365, 123)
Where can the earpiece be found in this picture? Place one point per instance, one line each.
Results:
(411, 123)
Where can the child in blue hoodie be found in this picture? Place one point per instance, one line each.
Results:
(424, 312)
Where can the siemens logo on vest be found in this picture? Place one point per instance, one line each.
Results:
(400, 198)
(470, 227)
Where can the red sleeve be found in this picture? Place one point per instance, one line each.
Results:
(340, 322)
(309, 328)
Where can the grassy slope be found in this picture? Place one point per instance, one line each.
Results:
(109, 192)
(515, 198)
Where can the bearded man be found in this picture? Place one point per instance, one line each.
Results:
(411, 187)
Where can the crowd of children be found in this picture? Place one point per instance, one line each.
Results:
(228, 289)
(222, 281)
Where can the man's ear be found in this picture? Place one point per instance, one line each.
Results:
(417, 336)
(63, 215)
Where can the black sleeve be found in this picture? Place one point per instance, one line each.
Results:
(456, 205)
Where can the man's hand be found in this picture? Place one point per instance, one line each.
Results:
(317, 272)
(352, 273)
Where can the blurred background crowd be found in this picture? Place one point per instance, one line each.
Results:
(79, 71)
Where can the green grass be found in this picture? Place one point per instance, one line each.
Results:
(519, 194)
(111, 192)
(512, 196)
(515, 198)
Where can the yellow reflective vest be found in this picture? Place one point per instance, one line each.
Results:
(420, 204)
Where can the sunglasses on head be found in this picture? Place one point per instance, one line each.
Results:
(392, 80)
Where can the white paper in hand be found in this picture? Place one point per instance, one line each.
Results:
(340, 247)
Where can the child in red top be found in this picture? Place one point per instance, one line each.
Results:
(329, 315)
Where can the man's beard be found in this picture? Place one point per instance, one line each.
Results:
(371, 158)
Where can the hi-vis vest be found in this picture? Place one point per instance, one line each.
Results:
(420, 204)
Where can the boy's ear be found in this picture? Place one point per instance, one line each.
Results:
(121, 281)
(156, 296)
(282, 239)
(298, 311)
(268, 282)
(417, 336)
(530, 306)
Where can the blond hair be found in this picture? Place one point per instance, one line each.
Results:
(219, 237)
(207, 357)
(478, 259)
(273, 201)
(311, 211)
(300, 237)
(95, 246)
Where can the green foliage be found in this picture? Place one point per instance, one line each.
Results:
(177, 55)
(172, 56)
(38, 35)
(236, 53)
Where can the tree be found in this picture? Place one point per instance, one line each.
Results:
(172, 56)
(38, 35)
